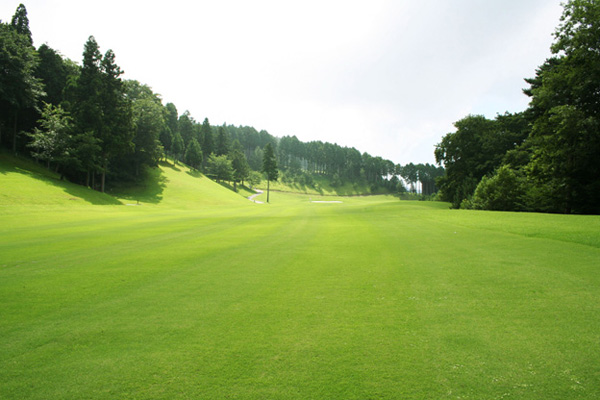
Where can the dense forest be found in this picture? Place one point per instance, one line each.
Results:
(95, 128)
(545, 158)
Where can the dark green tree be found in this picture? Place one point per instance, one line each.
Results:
(20, 89)
(170, 117)
(475, 150)
(85, 150)
(222, 147)
(86, 103)
(20, 23)
(149, 122)
(116, 129)
(53, 73)
(177, 147)
(503, 191)
(207, 139)
(193, 154)
(269, 167)
(241, 169)
(565, 103)
(185, 126)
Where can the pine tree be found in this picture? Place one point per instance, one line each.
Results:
(222, 147)
(185, 126)
(117, 130)
(269, 166)
(20, 89)
(20, 23)
(177, 147)
(207, 139)
(193, 154)
(241, 169)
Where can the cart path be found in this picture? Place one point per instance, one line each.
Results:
(258, 193)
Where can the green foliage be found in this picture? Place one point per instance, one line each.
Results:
(20, 89)
(222, 147)
(170, 117)
(206, 136)
(149, 122)
(177, 147)
(255, 159)
(53, 72)
(503, 191)
(85, 152)
(220, 168)
(193, 154)
(254, 178)
(51, 142)
(474, 151)
(564, 102)
(559, 160)
(185, 127)
(102, 108)
(269, 166)
(241, 169)
(20, 23)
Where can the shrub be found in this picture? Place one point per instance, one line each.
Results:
(504, 191)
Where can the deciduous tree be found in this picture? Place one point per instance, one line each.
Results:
(220, 168)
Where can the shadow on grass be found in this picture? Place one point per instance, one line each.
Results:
(227, 186)
(11, 164)
(149, 191)
(194, 173)
(167, 164)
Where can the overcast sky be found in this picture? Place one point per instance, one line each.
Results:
(385, 77)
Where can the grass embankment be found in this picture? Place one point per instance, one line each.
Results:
(192, 297)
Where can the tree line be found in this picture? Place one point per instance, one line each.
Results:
(92, 126)
(546, 157)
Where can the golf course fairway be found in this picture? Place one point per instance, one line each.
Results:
(186, 290)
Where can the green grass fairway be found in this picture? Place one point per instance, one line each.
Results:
(199, 293)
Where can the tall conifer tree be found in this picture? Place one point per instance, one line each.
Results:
(269, 166)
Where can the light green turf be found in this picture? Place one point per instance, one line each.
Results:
(200, 293)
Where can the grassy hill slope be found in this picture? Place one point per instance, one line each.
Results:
(177, 186)
(26, 183)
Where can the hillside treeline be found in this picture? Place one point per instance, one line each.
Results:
(546, 158)
(92, 126)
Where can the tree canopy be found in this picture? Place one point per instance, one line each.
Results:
(545, 158)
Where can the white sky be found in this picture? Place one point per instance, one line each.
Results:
(386, 77)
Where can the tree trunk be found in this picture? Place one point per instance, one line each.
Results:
(87, 178)
(15, 133)
(268, 181)
(103, 174)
